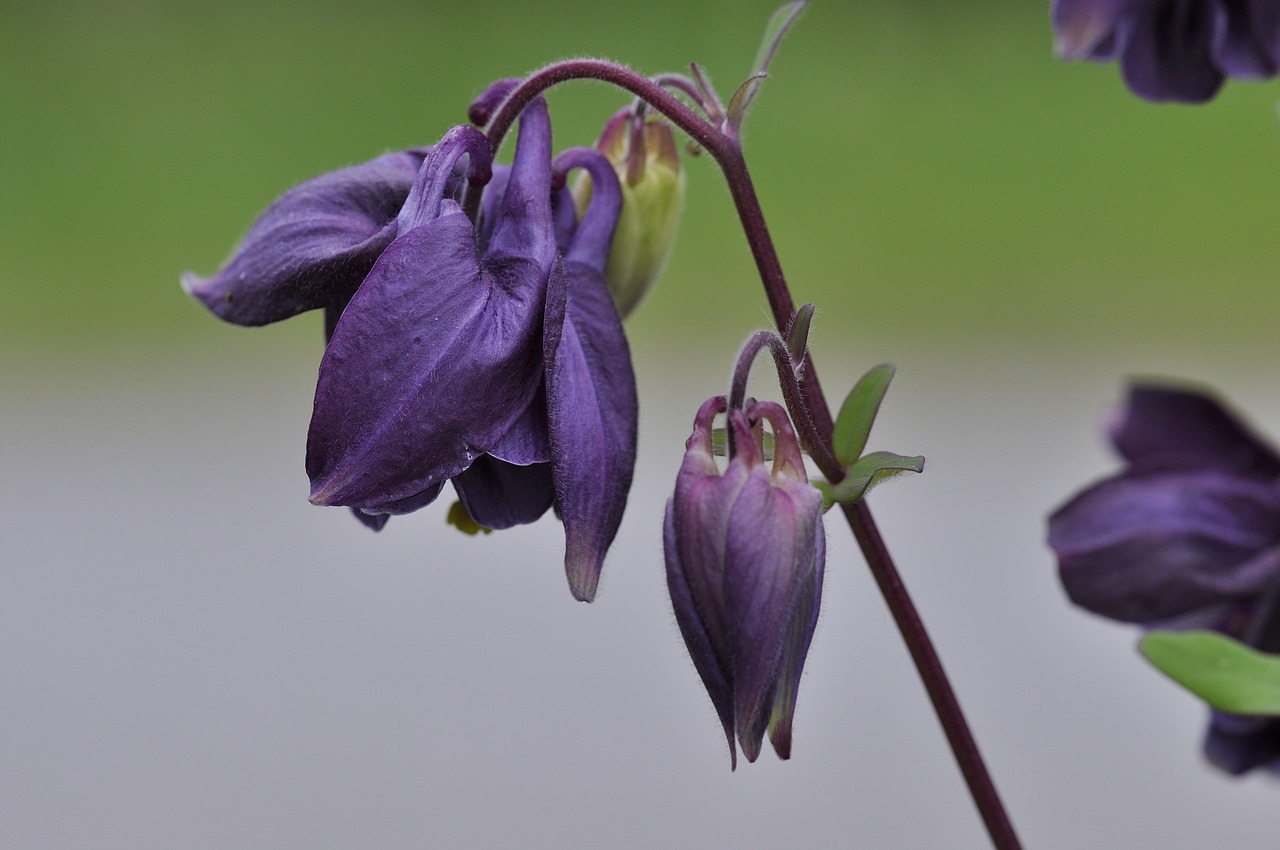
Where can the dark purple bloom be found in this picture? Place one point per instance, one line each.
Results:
(1187, 534)
(745, 552)
(487, 354)
(1178, 50)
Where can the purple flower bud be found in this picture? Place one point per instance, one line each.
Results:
(1177, 50)
(745, 552)
(1189, 531)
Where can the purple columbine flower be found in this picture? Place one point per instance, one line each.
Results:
(745, 552)
(488, 354)
(1178, 50)
(1187, 535)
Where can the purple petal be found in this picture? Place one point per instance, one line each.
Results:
(1157, 542)
(1086, 28)
(770, 557)
(313, 246)
(1238, 744)
(488, 101)
(1172, 422)
(591, 392)
(1166, 52)
(524, 226)
(500, 495)
(431, 364)
(796, 649)
(437, 355)
(703, 503)
(564, 217)
(696, 639)
(1246, 38)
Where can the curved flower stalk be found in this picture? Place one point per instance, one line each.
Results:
(1187, 535)
(745, 551)
(1179, 50)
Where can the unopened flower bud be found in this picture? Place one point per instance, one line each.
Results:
(745, 552)
(643, 152)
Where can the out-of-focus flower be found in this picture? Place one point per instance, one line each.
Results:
(644, 154)
(1178, 50)
(745, 552)
(1187, 535)
(488, 354)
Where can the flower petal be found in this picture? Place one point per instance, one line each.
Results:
(1173, 422)
(1157, 542)
(500, 495)
(1237, 744)
(1086, 28)
(1166, 52)
(437, 355)
(770, 558)
(694, 631)
(1246, 42)
(591, 390)
(432, 363)
(796, 649)
(313, 246)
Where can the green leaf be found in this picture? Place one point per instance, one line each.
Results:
(778, 25)
(773, 33)
(867, 472)
(798, 335)
(858, 413)
(742, 99)
(1224, 673)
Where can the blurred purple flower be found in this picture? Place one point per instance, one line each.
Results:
(1187, 535)
(745, 552)
(1179, 50)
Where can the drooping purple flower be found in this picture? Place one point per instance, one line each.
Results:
(438, 354)
(1187, 534)
(745, 552)
(1173, 50)
(487, 354)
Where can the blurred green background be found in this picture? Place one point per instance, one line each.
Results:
(925, 166)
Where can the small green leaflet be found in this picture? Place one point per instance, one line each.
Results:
(778, 25)
(865, 473)
(858, 414)
(1224, 673)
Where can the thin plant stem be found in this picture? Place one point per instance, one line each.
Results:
(723, 144)
(819, 450)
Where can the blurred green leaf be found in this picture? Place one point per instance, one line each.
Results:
(774, 31)
(1223, 672)
(858, 413)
